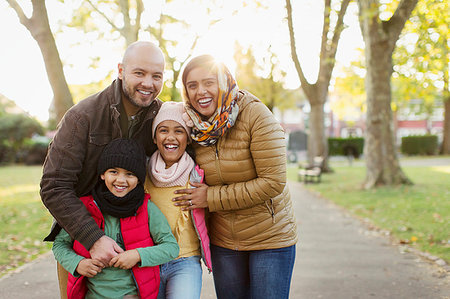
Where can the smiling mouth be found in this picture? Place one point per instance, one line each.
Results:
(171, 147)
(146, 93)
(120, 188)
(204, 102)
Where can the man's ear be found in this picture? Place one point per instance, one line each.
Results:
(120, 70)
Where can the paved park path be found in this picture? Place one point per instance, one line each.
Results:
(337, 257)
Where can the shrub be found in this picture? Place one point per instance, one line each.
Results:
(15, 129)
(420, 145)
(33, 151)
(346, 146)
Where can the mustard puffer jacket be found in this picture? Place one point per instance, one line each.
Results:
(248, 196)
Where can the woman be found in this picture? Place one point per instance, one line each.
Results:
(241, 148)
(171, 168)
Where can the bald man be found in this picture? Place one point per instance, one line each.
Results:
(125, 109)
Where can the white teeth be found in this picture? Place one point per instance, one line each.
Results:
(203, 101)
(120, 187)
(145, 92)
(171, 146)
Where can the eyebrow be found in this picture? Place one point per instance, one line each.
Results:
(164, 126)
(145, 71)
(206, 79)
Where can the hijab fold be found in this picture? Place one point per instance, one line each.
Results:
(207, 132)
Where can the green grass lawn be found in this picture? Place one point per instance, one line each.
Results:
(417, 214)
(24, 219)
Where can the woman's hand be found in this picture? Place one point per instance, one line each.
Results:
(193, 198)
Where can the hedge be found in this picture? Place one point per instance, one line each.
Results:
(420, 145)
(346, 146)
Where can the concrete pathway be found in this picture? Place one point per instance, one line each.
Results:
(337, 257)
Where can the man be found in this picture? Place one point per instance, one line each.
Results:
(125, 109)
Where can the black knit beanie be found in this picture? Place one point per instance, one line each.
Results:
(124, 153)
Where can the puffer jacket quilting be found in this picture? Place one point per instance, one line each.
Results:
(246, 171)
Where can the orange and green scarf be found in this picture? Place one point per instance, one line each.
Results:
(207, 133)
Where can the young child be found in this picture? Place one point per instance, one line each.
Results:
(169, 168)
(121, 208)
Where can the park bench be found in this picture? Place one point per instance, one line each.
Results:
(312, 173)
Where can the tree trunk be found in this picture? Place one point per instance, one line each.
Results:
(445, 150)
(39, 28)
(317, 145)
(380, 152)
(446, 140)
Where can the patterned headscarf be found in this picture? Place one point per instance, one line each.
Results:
(207, 132)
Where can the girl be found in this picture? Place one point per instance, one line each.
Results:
(170, 168)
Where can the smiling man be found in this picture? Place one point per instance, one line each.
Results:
(125, 109)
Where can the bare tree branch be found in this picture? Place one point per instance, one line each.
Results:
(104, 16)
(397, 22)
(325, 29)
(22, 17)
(295, 58)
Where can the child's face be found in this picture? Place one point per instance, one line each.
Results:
(171, 139)
(119, 181)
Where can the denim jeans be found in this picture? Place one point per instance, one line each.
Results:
(181, 278)
(258, 274)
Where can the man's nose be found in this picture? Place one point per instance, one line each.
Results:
(147, 81)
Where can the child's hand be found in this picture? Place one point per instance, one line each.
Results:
(89, 267)
(125, 260)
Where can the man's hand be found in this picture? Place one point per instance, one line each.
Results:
(89, 267)
(125, 260)
(104, 249)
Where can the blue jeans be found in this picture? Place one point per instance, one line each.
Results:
(252, 274)
(181, 278)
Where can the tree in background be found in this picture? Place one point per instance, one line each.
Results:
(265, 80)
(38, 26)
(383, 167)
(421, 61)
(317, 92)
(131, 18)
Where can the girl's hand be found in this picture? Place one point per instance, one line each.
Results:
(89, 267)
(193, 198)
(126, 260)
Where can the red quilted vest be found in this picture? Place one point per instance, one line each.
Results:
(135, 234)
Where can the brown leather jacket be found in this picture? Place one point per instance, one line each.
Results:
(246, 171)
(70, 169)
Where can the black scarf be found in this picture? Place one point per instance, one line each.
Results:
(120, 207)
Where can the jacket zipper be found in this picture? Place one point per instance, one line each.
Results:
(271, 209)
(131, 270)
(200, 240)
(217, 162)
